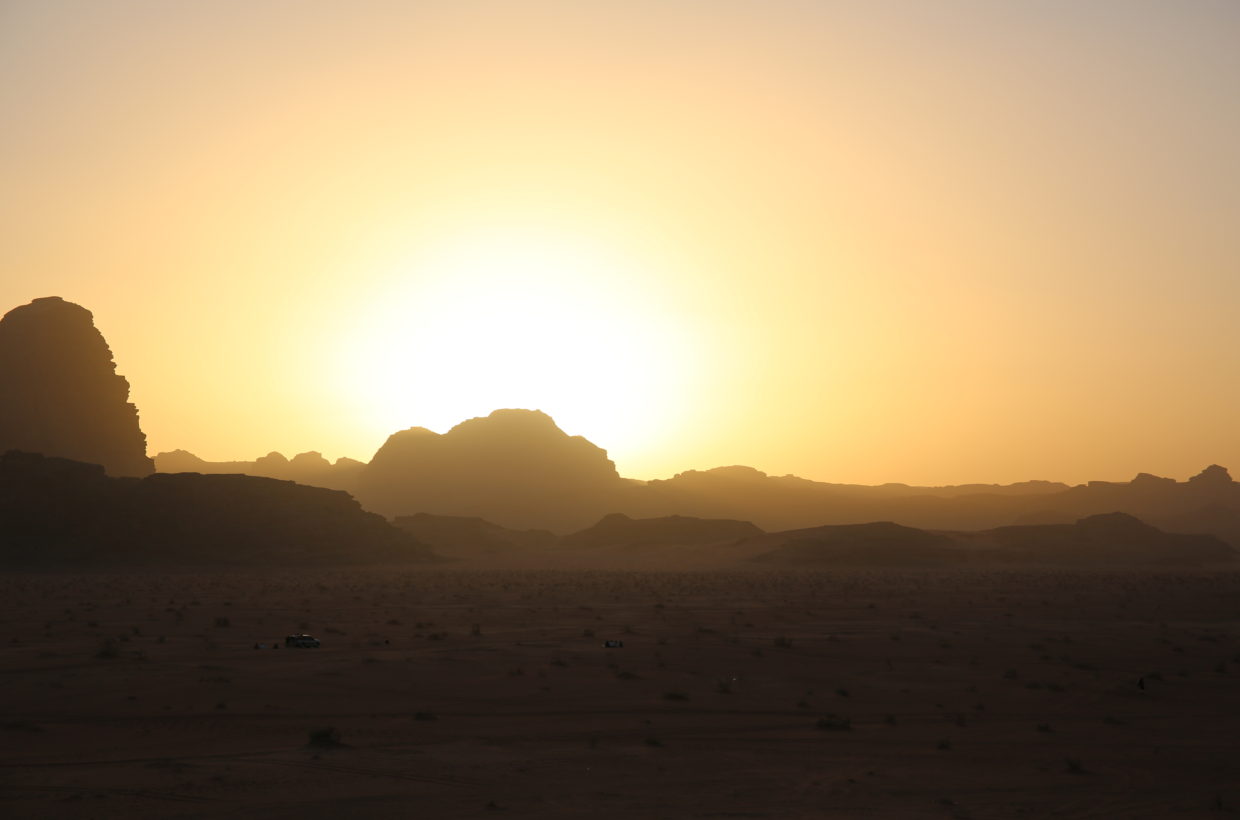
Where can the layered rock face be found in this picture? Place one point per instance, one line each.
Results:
(60, 394)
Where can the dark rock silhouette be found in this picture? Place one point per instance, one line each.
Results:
(513, 467)
(1207, 503)
(58, 512)
(1112, 540)
(60, 394)
(465, 537)
(304, 468)
(1105, 540)
(876, 544)
(618, 530)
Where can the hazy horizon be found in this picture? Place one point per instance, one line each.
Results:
(948, 244)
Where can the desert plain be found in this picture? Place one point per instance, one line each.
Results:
(450, 692)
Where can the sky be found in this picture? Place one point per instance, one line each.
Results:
(934, 243)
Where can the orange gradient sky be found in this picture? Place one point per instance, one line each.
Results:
(864, 242)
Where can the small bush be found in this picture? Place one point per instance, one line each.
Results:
(675, 696)
(326, 738)
(1073, 766)
(834, 723)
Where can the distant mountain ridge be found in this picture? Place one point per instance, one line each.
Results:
(1105, 541)
(60, 395)
(517, 469)
(1110, 540)
(304, 468)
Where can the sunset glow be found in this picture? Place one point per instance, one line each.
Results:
(518, 317)
(863, 242)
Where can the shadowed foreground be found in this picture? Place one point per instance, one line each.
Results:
(458, 694)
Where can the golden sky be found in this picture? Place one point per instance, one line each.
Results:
(862, 242)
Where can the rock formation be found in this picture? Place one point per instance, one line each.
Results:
(513, 467)
(60, 394)
(1109, 540)
(878, 544)
(304, 468)
(56, 512)
(462, 537)
(618, 530)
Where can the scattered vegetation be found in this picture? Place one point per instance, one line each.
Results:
(327, 737)
(834, 723)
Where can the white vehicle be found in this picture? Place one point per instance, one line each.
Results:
(301, 642)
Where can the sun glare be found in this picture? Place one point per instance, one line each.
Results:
(519, 319)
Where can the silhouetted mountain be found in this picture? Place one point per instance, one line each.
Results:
(618, 530)
(57, 512)
(1104, 540)
(60, 394)
(1113, 540)
(463, 537)
(513, 467)
(304, 468)
(788, 502)
(876, 544)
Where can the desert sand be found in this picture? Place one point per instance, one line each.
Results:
(456, 692)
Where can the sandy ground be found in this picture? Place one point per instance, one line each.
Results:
(459, 693)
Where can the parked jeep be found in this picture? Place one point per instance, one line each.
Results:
(301, 642)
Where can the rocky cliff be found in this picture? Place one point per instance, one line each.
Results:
(60, 394)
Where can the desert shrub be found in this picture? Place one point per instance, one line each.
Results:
(327, 737)
(675, 696)
(834, 723)
(108, 650)
(1073, 766)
